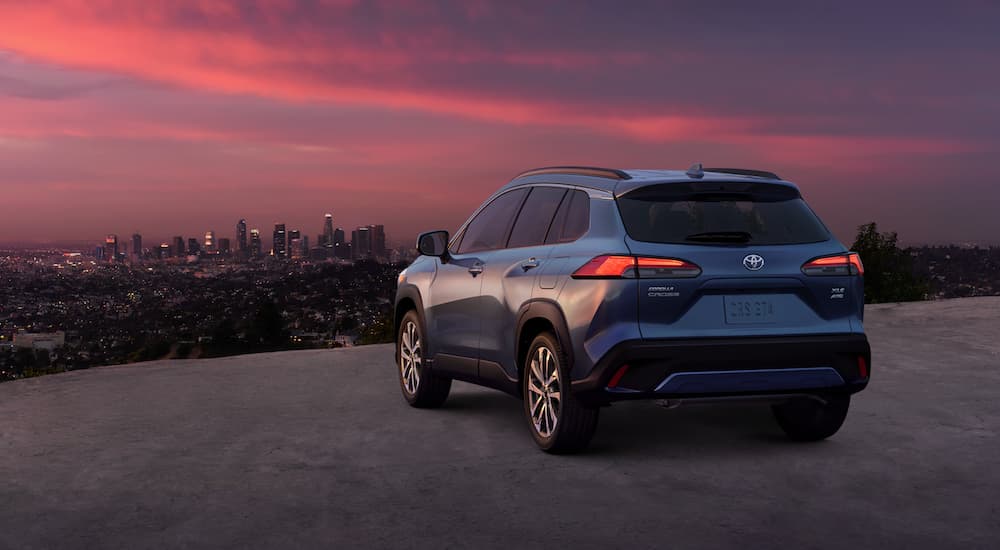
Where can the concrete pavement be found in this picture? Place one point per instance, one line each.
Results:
(317, 449)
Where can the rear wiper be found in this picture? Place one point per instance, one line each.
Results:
(720, 237)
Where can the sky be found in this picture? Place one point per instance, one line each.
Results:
(174, 118)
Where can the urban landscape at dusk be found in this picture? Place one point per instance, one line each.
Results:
(499, 274)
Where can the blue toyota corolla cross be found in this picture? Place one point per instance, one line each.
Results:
(574, 287)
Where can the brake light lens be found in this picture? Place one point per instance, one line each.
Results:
(841, 264)
(632, 267)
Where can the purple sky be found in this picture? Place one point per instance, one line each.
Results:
(179, 117)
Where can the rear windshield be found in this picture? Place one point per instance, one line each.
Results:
(679, 214)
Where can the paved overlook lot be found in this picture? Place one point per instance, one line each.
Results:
(317, 449)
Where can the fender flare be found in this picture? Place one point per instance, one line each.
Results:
(551, 312)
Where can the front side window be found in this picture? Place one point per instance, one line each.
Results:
(489, 229)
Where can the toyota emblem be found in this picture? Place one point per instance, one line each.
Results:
(753, 262)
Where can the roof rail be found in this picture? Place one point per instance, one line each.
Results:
(744, 172)
(609, 173)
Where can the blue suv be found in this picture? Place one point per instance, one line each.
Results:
(573, 287)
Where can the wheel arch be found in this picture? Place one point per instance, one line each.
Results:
(534, 318)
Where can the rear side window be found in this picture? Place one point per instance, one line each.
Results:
(678, 214)
(536, 216)
(488, 230)
(572, 220)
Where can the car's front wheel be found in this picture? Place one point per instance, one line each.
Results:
(421, 387)
(558, 422)
(812, 419)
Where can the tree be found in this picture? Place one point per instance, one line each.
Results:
(268, 327)
(889, 274)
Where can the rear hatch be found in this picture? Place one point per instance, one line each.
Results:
(749, 246)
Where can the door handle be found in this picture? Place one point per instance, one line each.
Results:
(476, 268)
(530, 263)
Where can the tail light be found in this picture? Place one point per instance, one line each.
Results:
(841, 264)
(632, 267)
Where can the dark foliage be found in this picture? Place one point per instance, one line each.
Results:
(889, 271)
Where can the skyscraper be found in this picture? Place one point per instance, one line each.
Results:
(210, 242)
(241, 238)
(137, 247)
(255, 247)
(327, 232)
(111, 248)
(224, 247)
(193, 248)
(280, 245)
(164, 251)
(294, 244)
(361, 243)
(178, 248)
(339, 245)
(377, 235)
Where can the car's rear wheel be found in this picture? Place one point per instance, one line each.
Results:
(558, 421)
(420, 387)
(811, 419)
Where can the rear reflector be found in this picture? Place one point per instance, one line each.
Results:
(862, 367)
(841, 264)
(618, 376)
(631, 267)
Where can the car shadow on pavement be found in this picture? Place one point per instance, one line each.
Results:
(644, 428)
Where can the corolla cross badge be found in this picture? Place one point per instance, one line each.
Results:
(753, 262)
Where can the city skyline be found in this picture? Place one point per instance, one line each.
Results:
(167, 117)
(367, 240)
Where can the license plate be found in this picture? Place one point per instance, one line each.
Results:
(748, 310)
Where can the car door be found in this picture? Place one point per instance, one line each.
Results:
(455, 313)
(509, 279)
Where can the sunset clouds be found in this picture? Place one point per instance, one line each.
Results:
(347, 105)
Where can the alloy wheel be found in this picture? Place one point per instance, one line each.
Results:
(544, 391)
(410, 358)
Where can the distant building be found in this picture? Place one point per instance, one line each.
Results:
(40, 340)
(255, 246)
(340, 248)
(295, 244)
(210, 242)
(361, 243)
(111, 248)
(327, 240)
(164, 251)
(377, 236)
(241, 239)
(179, 249)
(224, 247)
(137, 247)
(193, 248)
(280, 245)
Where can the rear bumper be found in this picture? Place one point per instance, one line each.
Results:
(722, 367)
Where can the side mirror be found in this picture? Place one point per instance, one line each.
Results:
(433, 243)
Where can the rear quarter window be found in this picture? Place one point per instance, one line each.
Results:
(572, 219)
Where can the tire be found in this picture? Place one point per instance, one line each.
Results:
(808, 419)
(571, 426)
(421, 388)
